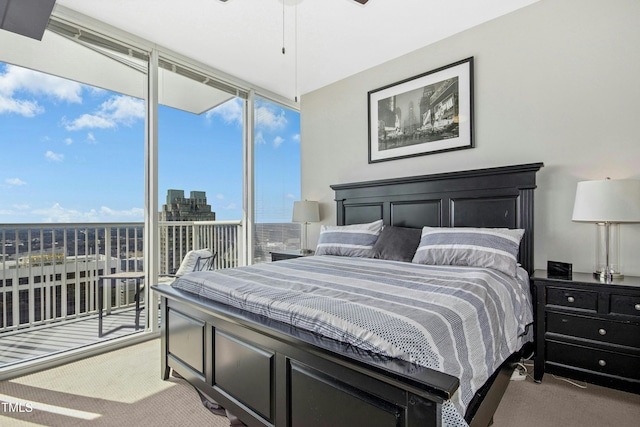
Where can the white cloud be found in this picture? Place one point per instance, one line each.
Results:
(18, 79)
(16, 82)
(15, 182)
(54, 157)
(123, 109)
(21, 107)
(90, 121)
(231, 111)
(220, 196)
(267, 115)
(117, 110)
(296, 137)
(109, 215)
(259, 138)
(277, 141)
(15, 214)
(291, 196)
(270, 117)
(68, 141)
(90, 138)
(57, 213)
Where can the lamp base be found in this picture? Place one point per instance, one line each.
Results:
(607, 276)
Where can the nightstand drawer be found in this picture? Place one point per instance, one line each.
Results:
(572, 298)
(606, 362)
(625, 304)
(594, 329)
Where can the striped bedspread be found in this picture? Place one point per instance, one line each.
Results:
(463, 321)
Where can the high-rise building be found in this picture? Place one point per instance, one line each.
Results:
(178, 240)
(193, 208)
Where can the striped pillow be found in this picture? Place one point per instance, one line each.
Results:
(495, 248)
(349, 240)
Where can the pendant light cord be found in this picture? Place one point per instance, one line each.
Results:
(283, 50)
(295, 56)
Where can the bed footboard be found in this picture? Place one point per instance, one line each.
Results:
(270, 375)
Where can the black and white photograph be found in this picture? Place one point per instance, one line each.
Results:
(425, 114)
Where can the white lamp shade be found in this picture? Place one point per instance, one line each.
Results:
(610, 200)
(306, 211)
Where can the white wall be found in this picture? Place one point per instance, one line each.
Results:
(556, 82)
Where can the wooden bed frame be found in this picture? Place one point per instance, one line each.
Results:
(269, 374)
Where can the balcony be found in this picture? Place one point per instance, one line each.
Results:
(49, 279)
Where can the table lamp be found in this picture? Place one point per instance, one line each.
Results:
(607, 203)
(305, 211)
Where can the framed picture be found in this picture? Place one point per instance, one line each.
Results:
(425, 114)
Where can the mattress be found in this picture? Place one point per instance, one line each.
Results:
(462, 321)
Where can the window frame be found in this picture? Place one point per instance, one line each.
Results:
(91, 32)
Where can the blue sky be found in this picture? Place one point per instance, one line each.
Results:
(74, 153)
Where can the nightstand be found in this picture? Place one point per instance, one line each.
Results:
(280, 255)
(588, 330)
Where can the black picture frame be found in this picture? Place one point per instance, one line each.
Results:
(425, 114)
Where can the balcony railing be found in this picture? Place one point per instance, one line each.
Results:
(49, 272)
(178, 237)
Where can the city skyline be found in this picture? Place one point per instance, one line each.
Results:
(74, 153)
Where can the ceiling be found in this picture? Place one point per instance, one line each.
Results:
(324, 40)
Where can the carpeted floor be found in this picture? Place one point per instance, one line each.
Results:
(123, 388)
(120, 388)
(558, 403)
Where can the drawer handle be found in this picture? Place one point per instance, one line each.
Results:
(571, 299)
(602, 362)
(602, 331)
(637, 307)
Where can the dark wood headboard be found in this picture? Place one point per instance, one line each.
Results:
(499, 197)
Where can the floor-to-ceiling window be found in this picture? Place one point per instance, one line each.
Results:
(277, 178)
(200, 165)
(72, 132)
(76, 130)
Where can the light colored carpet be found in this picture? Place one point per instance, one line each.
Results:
(557, 403)
(119, 388)
(123, 388)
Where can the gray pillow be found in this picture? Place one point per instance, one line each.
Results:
(397, 243)
(355, 240)
(495, 248)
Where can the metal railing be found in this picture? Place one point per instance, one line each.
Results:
(179, 237)
(49, 272)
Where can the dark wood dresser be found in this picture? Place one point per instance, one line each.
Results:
(588, 330)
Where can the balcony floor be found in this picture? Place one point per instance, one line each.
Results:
(20, 346)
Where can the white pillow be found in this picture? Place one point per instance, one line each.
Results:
(191, 259)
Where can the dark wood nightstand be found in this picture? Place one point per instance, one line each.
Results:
(280, 255)
(588, 330)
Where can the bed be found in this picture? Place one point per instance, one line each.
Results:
(271, 368)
